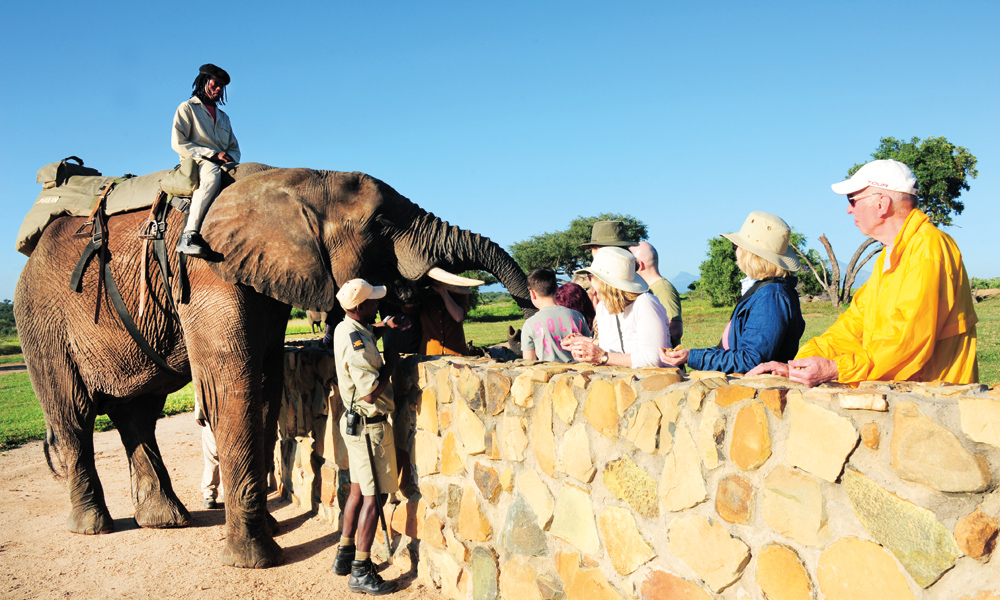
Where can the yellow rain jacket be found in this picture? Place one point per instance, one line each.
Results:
(913, 322)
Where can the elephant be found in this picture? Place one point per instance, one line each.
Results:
(288, 237)
(315, 317)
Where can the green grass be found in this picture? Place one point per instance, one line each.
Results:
(703, 324)
(988, 340)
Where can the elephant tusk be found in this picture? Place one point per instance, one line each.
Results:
(445, 277)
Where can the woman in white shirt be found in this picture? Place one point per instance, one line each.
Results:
(631, 325)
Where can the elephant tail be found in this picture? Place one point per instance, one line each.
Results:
(51, 446)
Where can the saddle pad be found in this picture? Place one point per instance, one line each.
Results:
(76, 198)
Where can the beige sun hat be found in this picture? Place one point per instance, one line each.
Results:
(616, 267)
(357, 291)
(767, 236)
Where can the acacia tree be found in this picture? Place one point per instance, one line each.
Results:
(562, 251)
(943, 171)
(719, 275)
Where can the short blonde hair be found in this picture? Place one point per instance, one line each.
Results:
(757, 267)
(616, 300)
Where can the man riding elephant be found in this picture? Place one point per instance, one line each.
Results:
(202, 131)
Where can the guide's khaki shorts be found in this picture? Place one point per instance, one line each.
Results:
(384, 451)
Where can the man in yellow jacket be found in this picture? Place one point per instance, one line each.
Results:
(914, 319)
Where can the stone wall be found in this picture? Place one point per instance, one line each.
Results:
(544, 481)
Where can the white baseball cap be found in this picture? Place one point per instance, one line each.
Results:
(357, 291)
(887, 174)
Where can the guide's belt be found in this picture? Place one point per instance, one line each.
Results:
(374, 419)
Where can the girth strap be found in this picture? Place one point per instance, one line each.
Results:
(130, 326)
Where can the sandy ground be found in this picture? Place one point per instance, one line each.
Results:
(39, 558)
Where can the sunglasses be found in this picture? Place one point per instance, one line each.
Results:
(852, 201)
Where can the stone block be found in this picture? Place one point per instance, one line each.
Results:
(433, 532)
(696, 394)
(582, 380)
(472, 430)
(574, 454)
(507, 480)
(492, 442)
(470, 386)
(751, 439)
(703, 375)
(515, 441)
(407, 519)
(980, 419)
(976, 534)
(488, 481)
(781, 574)
(624, 394)
(602, 408)
(446, 416)
(425, 453)
(472, 523)
(681, 483)
(456, 547)
(733, 499)
(485, 574)
(583, 583)
(521, 533)
(454, 501)
(454, 579)
(497, 390)
(573, 519)
(328, 486)
(631, 483)
(643, 428)
(711, 434)
(819, 440)
(941, 390)
(517, 580)
(623, 542)
(854, 569)
(537, 494)
(427, 411)
(793, 505)
(669, 405)
(870, 435)
(655, 383)
(707, 548)
(731, 394)
(522, 391)
(543, 443)
(927, 453)
(443, 377)
(564, 401)
(921, 543)
(774, 399)
(659, 585)
(453, 455)
(863, 400)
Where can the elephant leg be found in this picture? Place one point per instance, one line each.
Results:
(156, 504)
(69, 445)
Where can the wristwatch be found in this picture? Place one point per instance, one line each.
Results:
(604, 359)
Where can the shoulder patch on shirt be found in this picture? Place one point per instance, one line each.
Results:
(357, 342)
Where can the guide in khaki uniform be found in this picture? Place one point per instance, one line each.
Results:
(363, 379)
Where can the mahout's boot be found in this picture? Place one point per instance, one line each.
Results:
(342, 563)
(192, 244)
(365, 578)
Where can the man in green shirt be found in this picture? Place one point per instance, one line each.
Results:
(647, 267)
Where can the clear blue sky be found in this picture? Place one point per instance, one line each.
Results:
(512, 118)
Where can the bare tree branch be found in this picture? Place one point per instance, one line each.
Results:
(849, 279)
(833, 287)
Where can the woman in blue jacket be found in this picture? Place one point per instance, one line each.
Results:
(767, 321)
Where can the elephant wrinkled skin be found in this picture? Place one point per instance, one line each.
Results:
(289, 237)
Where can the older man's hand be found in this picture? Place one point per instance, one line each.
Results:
(773, 367)
(812, 371)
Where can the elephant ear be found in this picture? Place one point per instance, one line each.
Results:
(271, 238)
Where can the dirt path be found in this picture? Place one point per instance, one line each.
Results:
(39, 558)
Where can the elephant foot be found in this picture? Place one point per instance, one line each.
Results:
(159, 511)
(90, 521)
(251, 554)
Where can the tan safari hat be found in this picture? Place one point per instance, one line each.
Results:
(767, 236)
(357, 291)
(609, 233)
(616, 267)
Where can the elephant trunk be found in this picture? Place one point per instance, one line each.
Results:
(455, 249)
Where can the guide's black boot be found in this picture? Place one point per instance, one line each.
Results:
(342, 563)
(365, 579)
(192, 244)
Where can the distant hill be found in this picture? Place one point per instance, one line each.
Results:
(682, 280)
